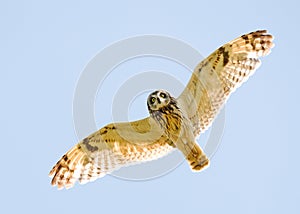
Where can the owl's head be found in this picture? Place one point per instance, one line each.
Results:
(158, 99)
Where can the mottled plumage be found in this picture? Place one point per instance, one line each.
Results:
(173, 123)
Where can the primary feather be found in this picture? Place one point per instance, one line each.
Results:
(220, 74)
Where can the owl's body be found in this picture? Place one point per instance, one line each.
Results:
(173, 123)
(177, 127)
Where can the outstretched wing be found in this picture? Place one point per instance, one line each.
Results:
(112, 147)
(217, 76)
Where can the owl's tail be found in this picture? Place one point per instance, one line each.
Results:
(74, 165)
(197, 159)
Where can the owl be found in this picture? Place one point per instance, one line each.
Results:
(173, 123)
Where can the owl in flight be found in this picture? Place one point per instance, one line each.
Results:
(174, 123)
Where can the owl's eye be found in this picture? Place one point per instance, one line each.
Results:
(152, 100)
(163, 95)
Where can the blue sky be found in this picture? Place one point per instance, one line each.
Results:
(46, 46)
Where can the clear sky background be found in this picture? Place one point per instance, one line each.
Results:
(45, 46)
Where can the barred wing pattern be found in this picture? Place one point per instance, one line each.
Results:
(112, 147)
(220, 74)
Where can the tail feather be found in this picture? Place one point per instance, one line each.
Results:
(197, 159)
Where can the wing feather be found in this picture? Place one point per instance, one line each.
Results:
(110, 148)
(220, 74)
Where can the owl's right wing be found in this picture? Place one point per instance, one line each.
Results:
(110, 148)
(220, 74)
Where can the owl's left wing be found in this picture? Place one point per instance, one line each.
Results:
(220, 74)
(110, 148)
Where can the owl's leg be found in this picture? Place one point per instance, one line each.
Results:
(193, 154)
